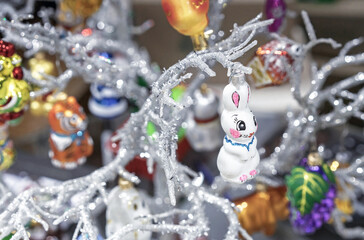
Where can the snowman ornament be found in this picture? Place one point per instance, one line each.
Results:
(238, 157)
(126, 206)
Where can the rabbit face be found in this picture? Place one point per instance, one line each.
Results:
(239, 125)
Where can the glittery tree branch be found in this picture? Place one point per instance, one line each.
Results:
(49, 203)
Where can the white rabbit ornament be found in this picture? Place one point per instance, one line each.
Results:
(238, 157)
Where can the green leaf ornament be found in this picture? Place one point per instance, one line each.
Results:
(305, 189)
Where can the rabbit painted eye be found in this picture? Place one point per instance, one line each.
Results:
(255, 121)
(240, 125)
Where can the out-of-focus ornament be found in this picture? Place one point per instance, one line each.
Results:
(9, 236)
(342, 200)
(7, 154)
(81, 237)
(106, 102)
(125, 204)
(311, 191)
(238, 157)
(74, 12)
(188, 17)
(139, 164)
(41, 105)
(261, 210)
(70, 142)
(204, 132)
(14, 92)
(271, 64)
(275, 9)
(40, 65)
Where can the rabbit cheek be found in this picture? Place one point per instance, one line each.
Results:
(234, 133)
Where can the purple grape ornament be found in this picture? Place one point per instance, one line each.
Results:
(311, 191)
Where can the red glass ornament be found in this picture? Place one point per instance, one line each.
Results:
(6, 49)
(18, 73)
(271, 64)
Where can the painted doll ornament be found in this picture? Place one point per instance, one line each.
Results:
(238, 157)
(14, 91)
(107, 102)
(204, 132)
(126, 206)
(70, 142)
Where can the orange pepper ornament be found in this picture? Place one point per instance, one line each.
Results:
(262, 210)
(188, 17)
(69, 140)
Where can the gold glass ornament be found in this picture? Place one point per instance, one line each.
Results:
(38, 66)
(74, 12)
(261, 210)
(342, 200)
(188, 17)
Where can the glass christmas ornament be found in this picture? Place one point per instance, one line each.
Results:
(74, 12)
(14, 92)
(204, 132)
(238, 157)
(275, 9)
(69, 140)
(38, 66)
(188, 17)
(7, 153)
(271, 64)
(262, 210)
(125, 205)
(311, 190)
(14, 98)
(107, 102)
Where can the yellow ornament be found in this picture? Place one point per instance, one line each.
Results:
(14, 97)
(188, 17)
(261, 210)
(342, 200)
(73, 12)
(6, 66)
(38, 66)
(7, 153)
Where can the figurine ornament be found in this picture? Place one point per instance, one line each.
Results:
(238, 157)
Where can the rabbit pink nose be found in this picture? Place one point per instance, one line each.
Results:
(234, 133)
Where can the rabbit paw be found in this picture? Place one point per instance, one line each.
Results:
(243, 178)
(253, 173)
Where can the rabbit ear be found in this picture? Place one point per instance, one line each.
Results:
(235, 98)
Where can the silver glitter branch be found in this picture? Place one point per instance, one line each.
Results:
(47, 205)
(91, 189)
(74, 50)
(302, 125)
